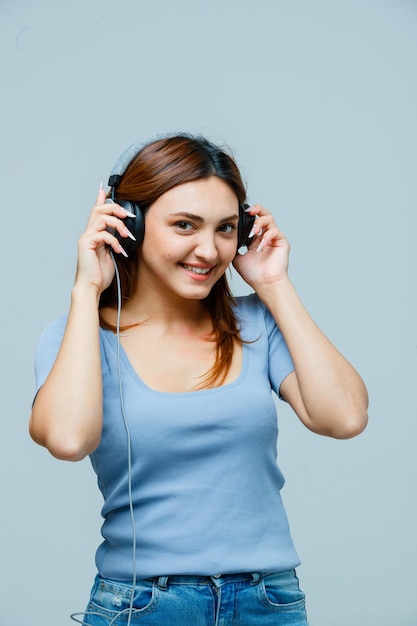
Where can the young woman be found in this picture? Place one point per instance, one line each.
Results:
(166, 381)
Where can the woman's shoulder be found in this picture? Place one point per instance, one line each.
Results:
(48, 347)
(251, 312)
(248, 303)
(54, 329)
(250, 306)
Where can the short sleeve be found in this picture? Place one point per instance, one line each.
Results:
(258, 325)
(280, 363)
(47, 350)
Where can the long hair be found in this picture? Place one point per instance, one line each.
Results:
(160, 166)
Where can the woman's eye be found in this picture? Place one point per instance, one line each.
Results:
(227, 228)
(183, 225)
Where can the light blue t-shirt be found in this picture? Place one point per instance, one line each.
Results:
(205, 480)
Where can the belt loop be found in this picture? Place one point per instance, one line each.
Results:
(256, 577)
(162, 583)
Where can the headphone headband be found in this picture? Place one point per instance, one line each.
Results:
(130, 153)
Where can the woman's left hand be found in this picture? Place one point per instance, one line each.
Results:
(266, 261)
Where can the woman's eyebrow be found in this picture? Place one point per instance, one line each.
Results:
(198, 218)
(235, 216)
(190, 216)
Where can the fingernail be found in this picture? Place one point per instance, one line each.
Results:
(253, 231)
(128, 213)
(131, 235)
(123, 251)
(248, 209)
(101, 186)
(261, 245)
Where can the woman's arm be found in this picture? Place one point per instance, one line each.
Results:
(67, 412)
(325, 391)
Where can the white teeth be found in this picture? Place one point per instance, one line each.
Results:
(197, 270)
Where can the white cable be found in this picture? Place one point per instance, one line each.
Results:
(129, 442)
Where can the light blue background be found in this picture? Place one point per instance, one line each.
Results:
(318, 101)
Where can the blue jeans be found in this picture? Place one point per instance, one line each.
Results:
(229, 600)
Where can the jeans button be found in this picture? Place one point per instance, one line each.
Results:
(217, 575)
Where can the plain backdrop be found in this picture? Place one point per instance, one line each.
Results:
(317, 99)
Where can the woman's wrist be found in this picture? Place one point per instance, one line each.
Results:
(272, 292)
(85, 293)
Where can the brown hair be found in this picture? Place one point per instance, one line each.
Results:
(160, 166)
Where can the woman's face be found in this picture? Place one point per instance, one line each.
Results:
(190, 238)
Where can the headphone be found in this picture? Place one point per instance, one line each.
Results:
(136, 224)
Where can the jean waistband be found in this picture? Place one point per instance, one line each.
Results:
(216, 579)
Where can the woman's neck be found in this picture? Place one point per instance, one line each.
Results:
(168, 312)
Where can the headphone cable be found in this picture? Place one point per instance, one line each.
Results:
(129, 441)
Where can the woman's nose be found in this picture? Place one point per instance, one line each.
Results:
(206, 247)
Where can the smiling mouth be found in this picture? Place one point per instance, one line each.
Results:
(197, 270)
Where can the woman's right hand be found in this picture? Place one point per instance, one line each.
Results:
(95, 266)
(67, 415)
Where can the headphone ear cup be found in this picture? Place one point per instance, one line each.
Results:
(245, 224)
(136, 225)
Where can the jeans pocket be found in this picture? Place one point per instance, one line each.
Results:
(281, 592)
(112, 600)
